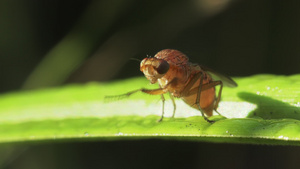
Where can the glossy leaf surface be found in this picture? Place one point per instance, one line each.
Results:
(263, 109)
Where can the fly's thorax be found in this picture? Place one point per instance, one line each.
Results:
(154, 68)
(175, 79)
(172, 56)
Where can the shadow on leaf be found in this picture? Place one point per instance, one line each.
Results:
(268, 108)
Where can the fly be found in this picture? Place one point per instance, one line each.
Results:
(193, 83)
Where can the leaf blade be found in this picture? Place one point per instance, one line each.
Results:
(79, 112)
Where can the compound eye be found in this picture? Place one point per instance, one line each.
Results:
(163, 67)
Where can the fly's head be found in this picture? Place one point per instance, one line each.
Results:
(154, 68)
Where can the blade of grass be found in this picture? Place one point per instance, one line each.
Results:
(264, 109)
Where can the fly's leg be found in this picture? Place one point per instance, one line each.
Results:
(147, 91)
(198, 100)
(174, 105)
(163, 108)
(189, 86)
(219, 96)
(159, 91)
(204, 87)
(208, 86)
(187, 91)
(218, 112)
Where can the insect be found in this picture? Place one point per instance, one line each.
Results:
(182, 79)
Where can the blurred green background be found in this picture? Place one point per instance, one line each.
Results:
(52, 43)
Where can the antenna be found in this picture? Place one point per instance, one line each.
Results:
(135, 59)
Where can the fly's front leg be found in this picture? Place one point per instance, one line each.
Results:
(148, 91)
(159, 91)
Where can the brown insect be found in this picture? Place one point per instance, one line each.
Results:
(180, 78)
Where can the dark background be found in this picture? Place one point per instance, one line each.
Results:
(235, 37)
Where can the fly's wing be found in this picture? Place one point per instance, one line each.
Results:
(227, 81)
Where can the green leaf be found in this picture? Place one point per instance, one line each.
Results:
(263, 109)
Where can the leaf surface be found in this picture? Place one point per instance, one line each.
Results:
(263, 109)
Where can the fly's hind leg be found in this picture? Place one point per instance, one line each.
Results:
(219, 95)
(198, 100)
(202, 87)
(187, 91)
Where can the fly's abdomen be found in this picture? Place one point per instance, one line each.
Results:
(207, 100)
